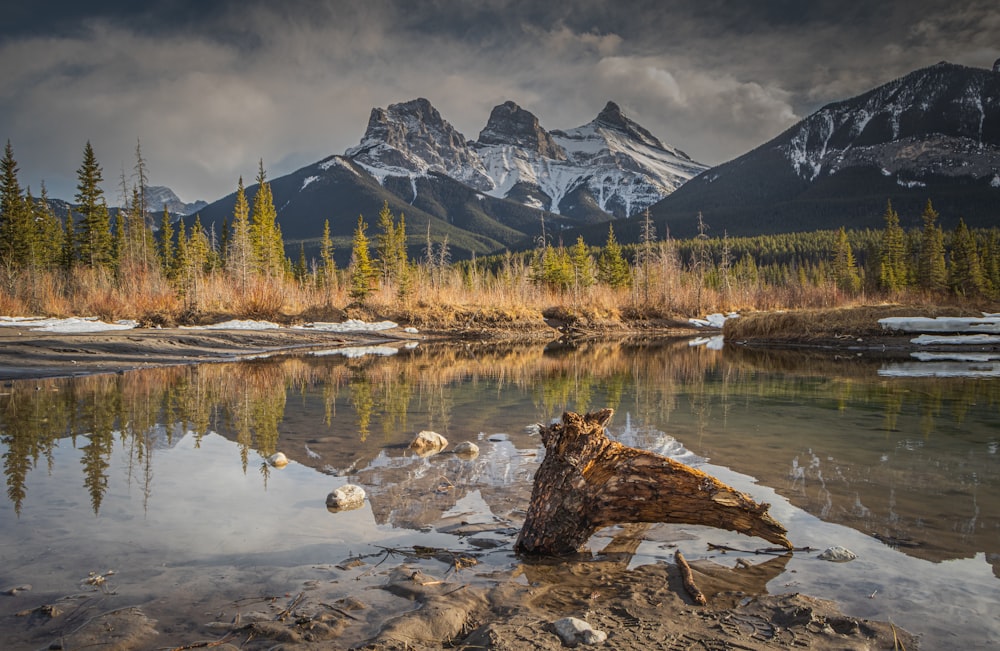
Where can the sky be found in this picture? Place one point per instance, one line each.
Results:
(209, 88)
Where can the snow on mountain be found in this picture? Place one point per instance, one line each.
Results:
(159, 197)
(611, 165)
(940, 120)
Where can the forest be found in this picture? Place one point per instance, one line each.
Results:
(126, 263)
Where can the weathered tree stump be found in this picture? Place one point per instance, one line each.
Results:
(587, 482)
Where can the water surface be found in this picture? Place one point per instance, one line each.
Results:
(160, 476)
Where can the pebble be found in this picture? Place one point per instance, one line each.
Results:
(278, 460)
(467, 449)
(427, 441)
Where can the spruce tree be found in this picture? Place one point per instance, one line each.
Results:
(239, 254)
(932, 272)
(166, 244)
(94, 240)
(965, 276)
(892, 272)
(16, 229)
(362, 272)
(265, 237)
(612, 269)
(48, 232)
(326, 275)
(845, 268)
(583, 265)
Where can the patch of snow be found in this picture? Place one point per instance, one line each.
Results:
(956, 357)
(410, 331)
(988, 324)
(716, 320)
(910, 184)
(306, 181)
(995, 183)
(237, 324)
(68, 325)
(351, 325)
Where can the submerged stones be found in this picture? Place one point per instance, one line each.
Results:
(427, 443)
(346, 498)
(466, 450)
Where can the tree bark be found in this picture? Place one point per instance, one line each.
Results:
(587, 482)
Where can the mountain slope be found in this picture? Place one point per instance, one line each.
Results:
(934, 133)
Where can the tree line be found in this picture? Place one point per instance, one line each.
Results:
(246, 269)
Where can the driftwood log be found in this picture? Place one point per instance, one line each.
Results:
(587, 482)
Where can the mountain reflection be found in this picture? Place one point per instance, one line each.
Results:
(913, 461)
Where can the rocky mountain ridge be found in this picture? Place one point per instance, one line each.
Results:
(608, 168)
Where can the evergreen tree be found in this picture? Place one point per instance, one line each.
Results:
(612, 269)
(362, 272)
(265, 237)
(892, 272)
(932, 272)
(16, 232)
(301, 268)
(179, 271)
(48, 232)
(166, 244)
(583, 265)
(965, 275)
(991, 263)
(845, 268)
(95, 243)
(326, 275)
(239, 254)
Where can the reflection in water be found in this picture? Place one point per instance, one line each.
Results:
(912, 461)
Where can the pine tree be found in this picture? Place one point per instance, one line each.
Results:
(932, 272)
(16, 231)
(991, 263)
(301, 268)
(94, 240)
(583, 265)
(612, 269)
(48, 232)
(965, 275)
(362, 272)
(845, 268)
(166, 244)
(239, 256)
(265, 237)
(328, 269)
(892, 273)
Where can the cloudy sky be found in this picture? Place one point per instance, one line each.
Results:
(208, 88)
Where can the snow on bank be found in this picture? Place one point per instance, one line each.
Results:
(716, 320)
(988, 323)
(70, 325)
(351, 325)
(93, 324)
(942, 369)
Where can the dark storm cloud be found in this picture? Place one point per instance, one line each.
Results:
(209, 88)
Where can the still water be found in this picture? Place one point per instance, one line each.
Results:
(156, 481)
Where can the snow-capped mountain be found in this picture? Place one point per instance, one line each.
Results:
(932, 134)
(608, 167)
(159, 197)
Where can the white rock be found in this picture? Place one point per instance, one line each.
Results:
(278, 460)
(573, 631)
(346, 498)
(837, 554)
(467, 449)
(427, 442)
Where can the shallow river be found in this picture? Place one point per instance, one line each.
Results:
(151, 488)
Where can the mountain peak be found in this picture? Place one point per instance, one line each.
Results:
(509, 124)
(612, 117)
